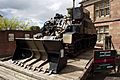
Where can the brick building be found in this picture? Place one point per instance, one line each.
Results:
(106, 16)
(7, 40)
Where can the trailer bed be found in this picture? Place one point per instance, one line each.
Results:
(75, 69)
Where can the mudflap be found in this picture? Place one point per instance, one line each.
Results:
(41, 55)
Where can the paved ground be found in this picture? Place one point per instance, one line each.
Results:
(72, 73)
(1, 78)
(99, 76)
(105, 76)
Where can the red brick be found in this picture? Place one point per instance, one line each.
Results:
(7, 47)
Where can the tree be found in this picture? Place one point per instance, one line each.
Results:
(70, 12)
(36, 28)
(12, 24)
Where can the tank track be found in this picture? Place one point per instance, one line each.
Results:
(79, 45)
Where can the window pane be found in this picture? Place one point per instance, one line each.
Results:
(102, 12)
(98, 37)
(106, 29)
(102, 4)
(107, 11)
(97, 6)
(97, 13)
(107, 3)
(101, 29)
(101, 37)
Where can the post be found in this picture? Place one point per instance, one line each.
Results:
(73, 3)
(107, 43)
(73, 9)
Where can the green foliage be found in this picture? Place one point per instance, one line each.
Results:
(70, 12)
(12, 24)
(37, 28)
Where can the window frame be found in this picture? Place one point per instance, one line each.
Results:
(103, 33)
(102, 8)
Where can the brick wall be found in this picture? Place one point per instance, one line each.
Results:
(115, 9)
(115, 32)
(7, 47)
(91, 9)
(113, 20)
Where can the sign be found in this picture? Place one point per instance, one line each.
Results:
(104, 60)
(104, 53)
(10, 37)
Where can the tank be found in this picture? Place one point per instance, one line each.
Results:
(60, 37)
(76, 31)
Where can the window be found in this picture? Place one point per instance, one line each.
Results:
(10, 37)
(102, 31)
(102, 8)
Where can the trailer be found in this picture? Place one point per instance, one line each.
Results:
(77, 69)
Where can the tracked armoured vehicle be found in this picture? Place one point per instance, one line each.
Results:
(60, 37)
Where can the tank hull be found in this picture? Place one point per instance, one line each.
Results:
(74, 43)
